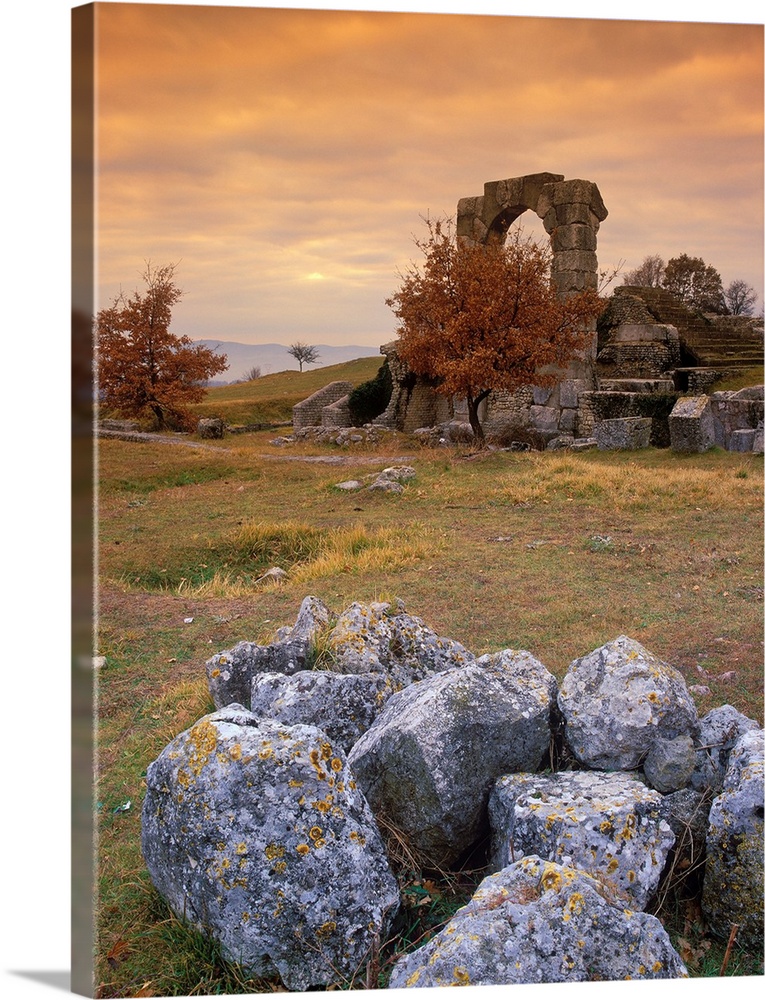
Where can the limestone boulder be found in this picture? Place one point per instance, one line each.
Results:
(618, 700)
(670, 763)
(629, 433)
(429, 760)
(383, 638)
(231, 671)
(539, 922)
(211, 427)
(733, 877)
(256, 834)
(718, 733)
(344, 706)
(610, 825)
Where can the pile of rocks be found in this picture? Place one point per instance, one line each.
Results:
(260, 823)
(345, 437)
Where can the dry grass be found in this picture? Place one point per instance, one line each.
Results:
(547, 552)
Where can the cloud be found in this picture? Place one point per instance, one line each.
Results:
(262, 146)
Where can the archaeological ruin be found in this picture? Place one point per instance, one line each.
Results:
(646, 353)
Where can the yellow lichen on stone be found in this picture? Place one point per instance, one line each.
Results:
(326, 929)
(336, 764)
(215, 673)
(574, 906)
(294, 783)
(460, 976)
(203, 739)
(412, 980)
(274, 851)
(235, 752)
(241, 848)
(303, 849)
(315, 832)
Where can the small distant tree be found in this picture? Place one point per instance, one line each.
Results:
(304, 354)
(695, 283)
(650, 273)
(251, 374)
(479, 317)
(740, 298)
(143, 368)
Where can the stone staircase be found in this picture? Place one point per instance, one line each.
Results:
(723, 342)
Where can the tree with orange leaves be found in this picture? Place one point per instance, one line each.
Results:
(476, 317)
(143, 368)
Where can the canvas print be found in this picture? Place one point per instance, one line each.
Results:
(421, 369)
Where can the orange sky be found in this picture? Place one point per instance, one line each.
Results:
(284, 157)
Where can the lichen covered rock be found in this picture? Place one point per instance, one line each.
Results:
(718, 731)
(430, 758)
(733, 878)
(670, 763)
(344, 706)
(617, 700)
(257, 834)
(610, 825)
(379, 638)
(230, 672)
(539, 922)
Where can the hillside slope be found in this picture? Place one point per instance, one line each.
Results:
(273, 358)
(269, 399)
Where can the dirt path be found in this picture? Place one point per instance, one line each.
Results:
(179, 439)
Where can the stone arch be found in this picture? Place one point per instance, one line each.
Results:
(571, 212)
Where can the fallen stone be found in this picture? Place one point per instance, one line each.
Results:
(733, 877)
(230, 672)
(430, 758)
(539, 922)
(349, 485)
(718, 732)
(670, 763)
(584, 444)
(617, 700)
(385, 486)
(256, 834)
(629, 433)
(344, 706)
(742, 439)
(609, 825)
(275, 574)
(374, 637)
(211, 427)
(691, 425)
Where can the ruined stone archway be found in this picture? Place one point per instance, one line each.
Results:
(571, 212)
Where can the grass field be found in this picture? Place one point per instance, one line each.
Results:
(270, 398)
(551, 552)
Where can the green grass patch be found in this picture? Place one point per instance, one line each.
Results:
(741, 380)
(270, 399)
(553, 553)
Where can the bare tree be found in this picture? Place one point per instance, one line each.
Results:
(304, 354)
(740, 298)
(650, 273)
(252, 373)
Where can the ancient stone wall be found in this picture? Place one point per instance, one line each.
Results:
(308, 413)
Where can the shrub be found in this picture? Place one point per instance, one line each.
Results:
(370, 399)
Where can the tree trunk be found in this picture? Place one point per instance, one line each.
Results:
(475, 423)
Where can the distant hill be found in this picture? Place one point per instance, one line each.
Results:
(272, 358)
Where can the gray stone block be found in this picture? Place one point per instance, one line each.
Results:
(569, 392)
(742, 440)
(544, 418)
(691, 425)
(623, 432)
